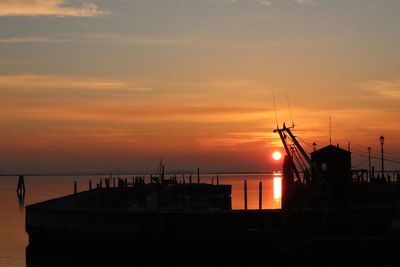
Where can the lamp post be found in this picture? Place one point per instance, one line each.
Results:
(369, 163)
(382, 139)
(314, 145)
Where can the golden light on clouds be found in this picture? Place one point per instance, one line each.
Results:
(29, 81)
(47, 8)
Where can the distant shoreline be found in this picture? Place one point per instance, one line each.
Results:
(131, 173)
(178, 172)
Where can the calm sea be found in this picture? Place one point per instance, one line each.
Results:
(14, 240)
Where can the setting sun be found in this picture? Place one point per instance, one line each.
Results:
(277, 155)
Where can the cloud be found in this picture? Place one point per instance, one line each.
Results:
(65, 82)
(102, 38)
(136, 40)
(305, 2)
(13, 40)
(47, 8)
(264, 2)
(389, 89)
(225, 1)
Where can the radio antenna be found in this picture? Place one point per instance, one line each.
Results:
(276, 116)
(330, 130)
(290, 108)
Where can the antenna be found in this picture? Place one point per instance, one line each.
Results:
(290, 108)
(330, 130)
(276, 116)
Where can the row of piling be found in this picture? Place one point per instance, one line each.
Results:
(123, 183)
(364, 176)
(139, 180)
(260, 195)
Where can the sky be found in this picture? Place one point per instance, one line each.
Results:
(118, 85)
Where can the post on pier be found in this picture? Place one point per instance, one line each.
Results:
(260, 196)
(21, 185)
(75, 188)
(245, 195)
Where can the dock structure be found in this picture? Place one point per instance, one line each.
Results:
(324, 179)
(135, 210)
(325, 205)
(175, 214)
(128, 216)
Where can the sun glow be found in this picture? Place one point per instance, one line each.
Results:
(277, 155)
(277, 187)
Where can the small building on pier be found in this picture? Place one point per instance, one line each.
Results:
(334, 164)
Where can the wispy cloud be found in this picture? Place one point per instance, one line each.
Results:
(13, 40)
(268, 2)
(225, 1)
(48, 8)
(389, 89)
(305, 2)
(137, 40)
(66, 82)
(101, 38)
(264, 2)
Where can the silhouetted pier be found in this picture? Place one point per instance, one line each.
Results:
(182, 214)
(326, 206)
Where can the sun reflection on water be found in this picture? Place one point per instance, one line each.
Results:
(277, 186)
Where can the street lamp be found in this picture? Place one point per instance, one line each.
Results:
(369, 163)
(314, 145)
(382, 139)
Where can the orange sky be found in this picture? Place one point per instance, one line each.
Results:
(100, 86)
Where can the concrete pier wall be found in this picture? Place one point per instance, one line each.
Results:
(69, 219)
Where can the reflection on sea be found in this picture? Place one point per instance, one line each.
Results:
(277, 187)
(21, 200)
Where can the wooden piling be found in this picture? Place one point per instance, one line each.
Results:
(260, 195)
(198, 175)
(75, 188)
(373, 173)
(21, 185)
(113, 182)
(90, 184)
(158, 196)
(217, 179)
(190, 179)
(162, 174)
(245, 194)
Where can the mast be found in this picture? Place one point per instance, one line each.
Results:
(297, 152)
(285, 145)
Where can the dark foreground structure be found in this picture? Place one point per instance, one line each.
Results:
(328, 211)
